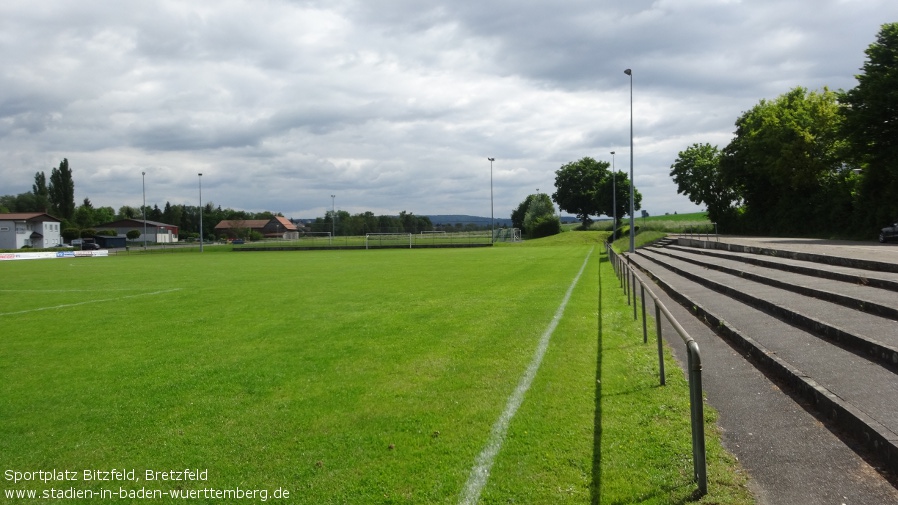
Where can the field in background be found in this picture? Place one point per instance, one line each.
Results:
(338, 376)
(696, 222)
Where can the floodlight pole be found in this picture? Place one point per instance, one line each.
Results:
(333, 217)
(143, 176)
(632, 182)
(613, 200)
(492, 218)
(200, 176)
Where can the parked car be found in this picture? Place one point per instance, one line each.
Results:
(237, 241)
(889, 232)
(89, 245)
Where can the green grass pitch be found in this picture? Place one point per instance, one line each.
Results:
(334, 376)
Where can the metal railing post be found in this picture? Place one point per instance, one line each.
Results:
(694, 365)
(698, 417)
(645, 333)
(660, 346)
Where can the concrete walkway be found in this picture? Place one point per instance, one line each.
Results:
(786, 392)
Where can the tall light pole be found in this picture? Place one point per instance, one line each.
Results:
(492, 219)
(143, 176)
(333, 217)
(201, 210)
(632, 182)
(613, 200)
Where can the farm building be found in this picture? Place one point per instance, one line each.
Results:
(156, 232)
(276, 227)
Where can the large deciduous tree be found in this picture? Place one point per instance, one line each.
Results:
(696, 173)
(871, 126)
(539, 218)
(577, 185)
(61, 191)
(84, 215)
(785, 162)
(584, 188)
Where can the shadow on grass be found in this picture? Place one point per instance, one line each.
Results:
(597, 419)
(596, 498)
(662, 492)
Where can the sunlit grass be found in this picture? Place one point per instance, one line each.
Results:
(341, 376)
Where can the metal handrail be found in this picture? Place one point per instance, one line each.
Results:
(627, 275)
(692, 233)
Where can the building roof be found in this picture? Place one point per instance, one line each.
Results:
(27, 216)
(242, 223)
(255, 224)
(286, 223)
(125, 223)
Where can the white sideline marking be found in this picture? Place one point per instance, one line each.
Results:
(64, 290)
(481, 470)
(88, 302)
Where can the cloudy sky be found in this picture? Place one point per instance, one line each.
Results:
(395, 105)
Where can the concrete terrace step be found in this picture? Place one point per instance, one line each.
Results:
(856, 394)
(878, 279)
(851, 290)
(873, 336)
(862, 255)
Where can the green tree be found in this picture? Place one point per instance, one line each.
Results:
(696, 172)
(577, 188)
(133, 234)
(517, 215)
(69, 234)
(61, 191)
(785, 162)
(41, 192)
(616, 191)
(23, 202)
(104, 215)
(584, 188)
(870, 111)
(84, 215)
(540, 219)
(172, 214)
(128, 212)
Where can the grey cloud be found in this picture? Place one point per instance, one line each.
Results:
(395, 104)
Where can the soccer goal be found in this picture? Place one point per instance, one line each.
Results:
(507, 235)
(388, 240)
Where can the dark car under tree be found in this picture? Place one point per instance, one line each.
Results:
(889, 232)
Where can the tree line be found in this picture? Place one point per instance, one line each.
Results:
(821, 163)
(342, 223)
(57, 198)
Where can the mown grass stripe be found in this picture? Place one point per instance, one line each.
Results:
(481, 470)
(87, 302)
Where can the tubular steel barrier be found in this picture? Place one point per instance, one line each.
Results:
(693, 233)
(628, 278)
